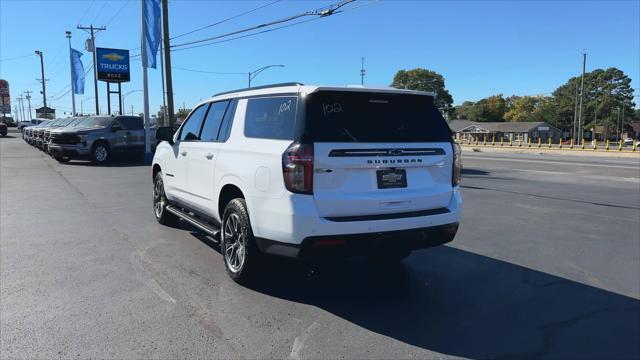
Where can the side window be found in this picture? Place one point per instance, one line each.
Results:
(214, 119)
(117, 124)
(271, 118)
(131, 123)
(191, 128)
(225, 128)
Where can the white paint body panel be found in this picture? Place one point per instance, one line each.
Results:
(255, 167)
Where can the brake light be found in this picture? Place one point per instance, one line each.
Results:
(297, 168)
(456, 173)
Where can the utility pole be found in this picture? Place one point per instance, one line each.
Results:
(92, 31)
(167, 58)
(575, 116)
(584, 64)
(362, 71)
(618, 126)
(73, 85)
(28, 97)
(44, 89)
(622, 127)
(165, 120)
(20, 108)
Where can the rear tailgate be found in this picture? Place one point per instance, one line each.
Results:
(378, 153)
(349, 178)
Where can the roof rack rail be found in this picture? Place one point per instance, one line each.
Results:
(259, 87)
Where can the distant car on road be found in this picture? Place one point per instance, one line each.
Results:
(628, 142)
(98, 137)
(3, 130)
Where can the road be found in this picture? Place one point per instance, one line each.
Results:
(546, 264)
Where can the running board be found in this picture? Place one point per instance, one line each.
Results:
(209, 229)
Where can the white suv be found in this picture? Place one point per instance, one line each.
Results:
(304, 171)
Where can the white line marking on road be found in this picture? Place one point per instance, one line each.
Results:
(298, 343)
(557, 162)
(156, 288)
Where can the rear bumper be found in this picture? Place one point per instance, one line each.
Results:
(293, 218)
(361, 244)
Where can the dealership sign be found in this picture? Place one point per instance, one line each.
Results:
(5, 99)
(113, 64)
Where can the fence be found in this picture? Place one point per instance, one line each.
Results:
(594, 146)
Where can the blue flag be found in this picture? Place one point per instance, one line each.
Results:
(152, 33)
(77, 72)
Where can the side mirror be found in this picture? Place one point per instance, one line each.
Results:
(164, 133)
(115, 128)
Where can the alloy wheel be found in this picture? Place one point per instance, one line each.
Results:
(234, 243)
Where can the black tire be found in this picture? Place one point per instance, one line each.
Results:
(236, 232)
(160, 203)
(100, 153)
(62, 159)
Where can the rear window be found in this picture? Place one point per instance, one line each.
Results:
(340, 116)
(131, 122)
(271, 118)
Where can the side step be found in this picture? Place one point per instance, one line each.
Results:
(209, 229)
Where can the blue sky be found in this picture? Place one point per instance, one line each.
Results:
(481, 47)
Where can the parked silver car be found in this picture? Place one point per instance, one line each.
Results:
(98, 137)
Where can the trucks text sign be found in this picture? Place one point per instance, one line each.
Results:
(113, 64)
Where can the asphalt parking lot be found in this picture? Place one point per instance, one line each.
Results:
(546, 265)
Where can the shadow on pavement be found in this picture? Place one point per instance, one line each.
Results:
(471, 171)
(463, 304)
(118, 160)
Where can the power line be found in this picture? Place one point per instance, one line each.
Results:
(321, 12)
(248, 35)
(16, 58)
(117, 12)
(56, 97)
(208, 72)
(100, 11)
(224, 20)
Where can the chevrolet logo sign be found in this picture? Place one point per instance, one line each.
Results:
(395, 152)
(113, 57)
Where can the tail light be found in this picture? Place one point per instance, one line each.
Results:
(456, 174)
(297, 168)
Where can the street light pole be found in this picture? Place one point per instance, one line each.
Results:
(82, 103)
(254, 73)
(73, 85)
(127, 94)
(44, 90)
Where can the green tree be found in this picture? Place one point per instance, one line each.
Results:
(182, 113)
(490, 109)
(532, 108)
(424, 80)
(605, 91)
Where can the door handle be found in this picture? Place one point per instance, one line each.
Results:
(184, 153)
(209, 156)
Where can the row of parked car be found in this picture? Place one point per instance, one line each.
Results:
(94, 137)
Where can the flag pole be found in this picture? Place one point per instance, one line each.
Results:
(145, 89)
(73, 85)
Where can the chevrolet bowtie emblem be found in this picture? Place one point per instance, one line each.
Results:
(112, 57)
(394, 152)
